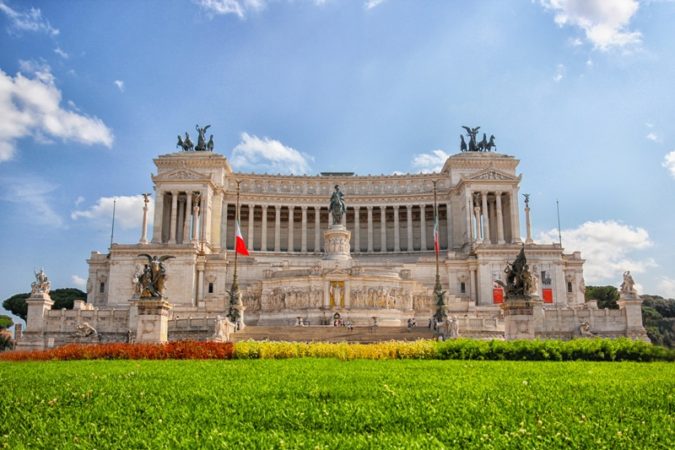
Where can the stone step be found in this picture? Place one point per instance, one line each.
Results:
(332, 334)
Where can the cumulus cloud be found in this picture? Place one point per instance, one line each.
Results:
(559, 72)
(370, 4)
(32, 194)
(605, 23)
(128, 212)
(651, 136)
(429, 162)
(237, 7)
(666, 287)
(241, 8)
(62, 53)
(79, 282)
(607, 247)
(669, 163)
(119, 84)
(32, 107)
(268, 155)
(28, 20)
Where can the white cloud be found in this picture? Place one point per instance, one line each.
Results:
(29, 20)
(79, 282)
(559, 72)
(62, 53)
(79, 200)
(32, 194)
(666, 287)
(669, 163)
(119, 84)
(32, 107)
(604, 22)
(236, 7)
(370, 4)
(128, 212)
(429, 162)
(651, 136)
(268, 155)
(607, 247)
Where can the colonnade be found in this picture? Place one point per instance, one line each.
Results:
(492, 217)
(375, 229)
(180, 217)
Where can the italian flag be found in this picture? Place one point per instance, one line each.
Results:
(239, 244)
(437, 245)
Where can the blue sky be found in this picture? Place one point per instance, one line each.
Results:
(581, 91)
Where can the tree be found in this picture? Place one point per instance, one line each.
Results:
(62, 298)
(5, 322)
(605, 295)
(658, 317)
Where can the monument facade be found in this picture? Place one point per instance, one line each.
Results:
(360, 246)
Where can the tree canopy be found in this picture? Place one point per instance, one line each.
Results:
(5, 321)
(62, 298)
(605, 295)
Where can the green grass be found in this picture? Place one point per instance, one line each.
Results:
(326, 403)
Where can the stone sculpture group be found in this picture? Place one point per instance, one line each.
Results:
(202, 146)
(485, 145)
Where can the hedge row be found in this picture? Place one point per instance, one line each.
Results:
(524, 350)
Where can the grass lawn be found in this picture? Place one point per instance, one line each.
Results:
(326, 403)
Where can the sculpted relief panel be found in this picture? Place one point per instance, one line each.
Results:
(279, 299)
(381, 298)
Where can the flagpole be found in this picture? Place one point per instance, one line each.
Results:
(234, 313)
(235, 284)
(440, 314)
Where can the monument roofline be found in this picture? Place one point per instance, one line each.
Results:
(466, 160)
(182, 160)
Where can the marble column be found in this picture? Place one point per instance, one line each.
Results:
(263, 229)
(303, 230)
(204, 213)
(195, 221)
(397, 232)
(317, 229)
(423, 227)
(370, 229)
(409, 229)
(187, 223)
(180, 221)
(476, 218)
(469, 215)
(159, 213)
(448, 220)
(144, 227)
(486, 218)
(277, 228)
(174, 217)
(500, 219)
(357, 229)
(291, 242)
(383, 228)
(251, 226)
(515, 217)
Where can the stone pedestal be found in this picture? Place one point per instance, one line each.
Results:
(153, 321)
(631, 305)
(336, 243)
(520, 318)
(38, 305)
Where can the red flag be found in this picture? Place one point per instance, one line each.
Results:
(239, 244)
(437, 245)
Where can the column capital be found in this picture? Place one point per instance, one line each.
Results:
(303, 207)
(369, 207)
